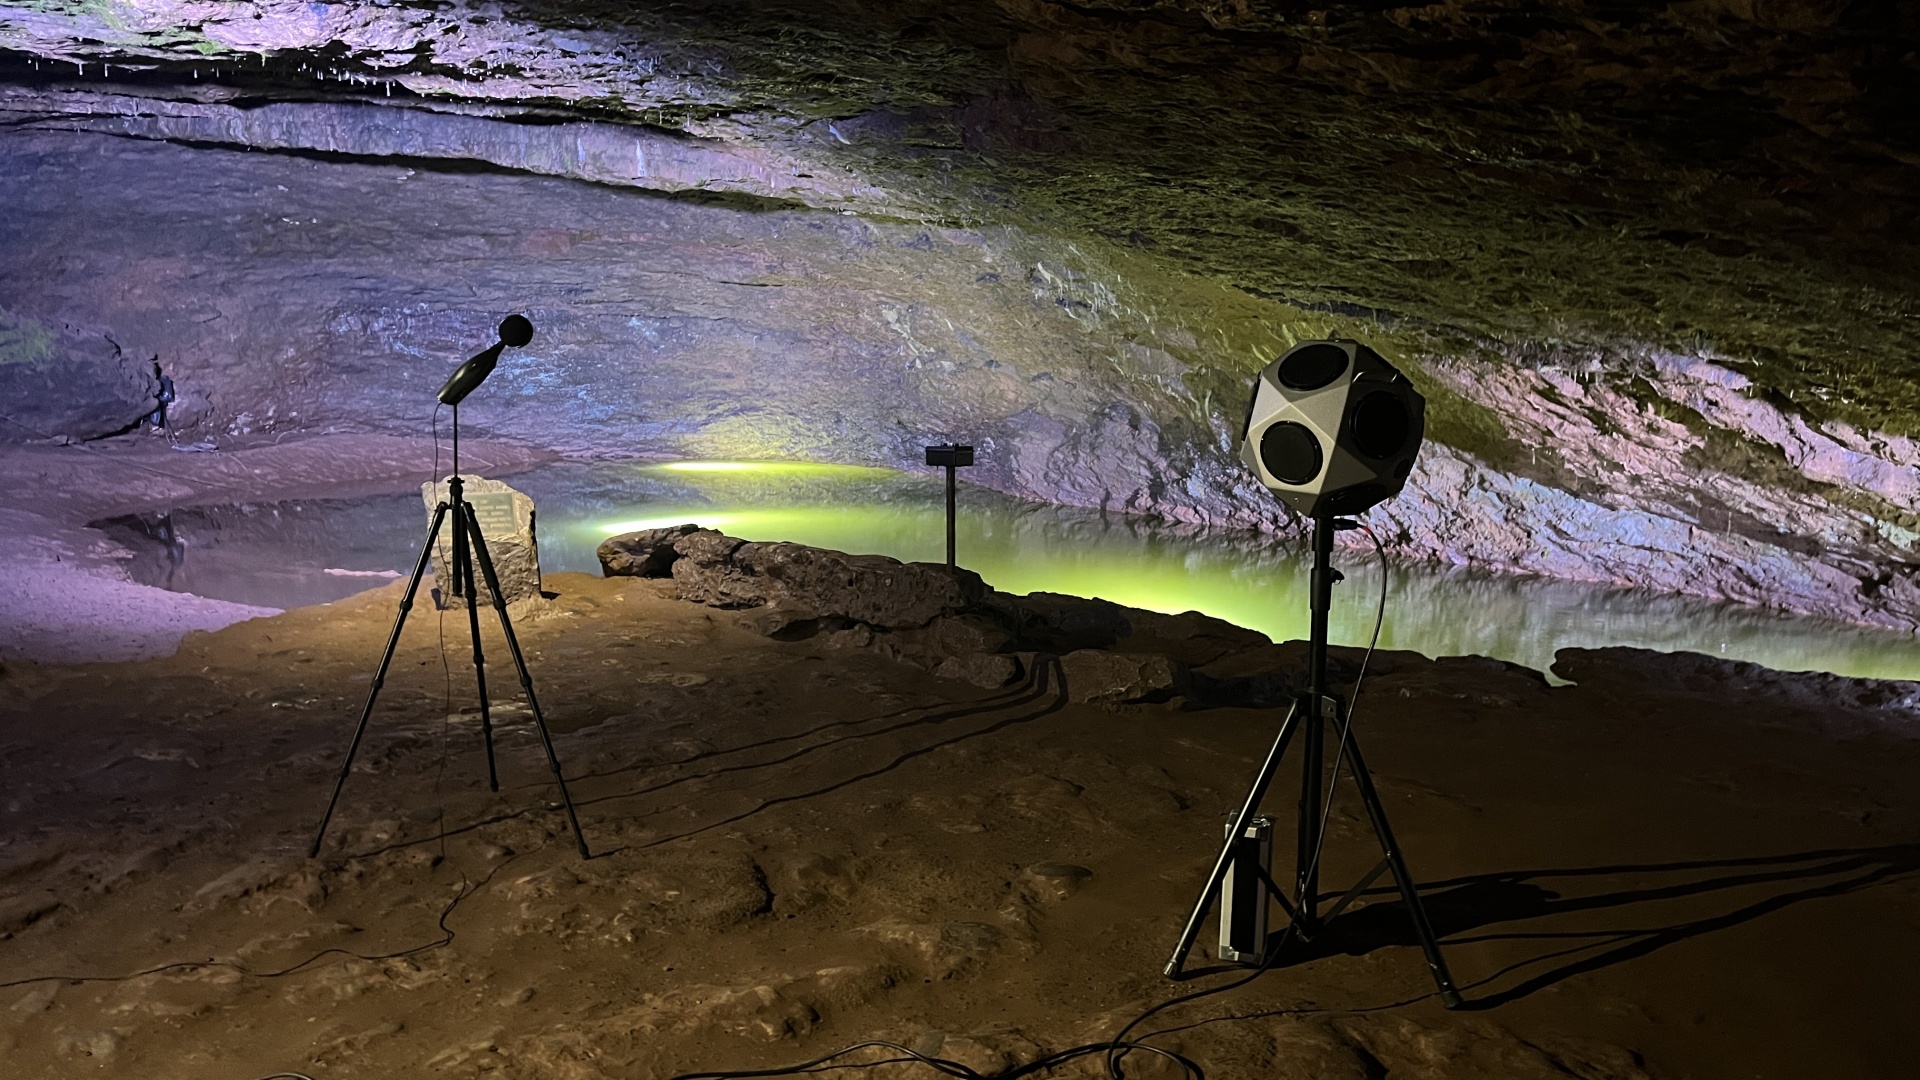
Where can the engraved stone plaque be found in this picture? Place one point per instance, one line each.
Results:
(507, 522)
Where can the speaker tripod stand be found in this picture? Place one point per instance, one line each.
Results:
(1309, 717)
(468, 547)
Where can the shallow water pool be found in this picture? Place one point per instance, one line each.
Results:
(314, 551)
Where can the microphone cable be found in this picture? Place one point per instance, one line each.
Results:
(1115, 1049)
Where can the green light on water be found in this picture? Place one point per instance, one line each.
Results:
(1249, 581)
(857, 529)
(705, 521)
(821, 470)
(1022, 554)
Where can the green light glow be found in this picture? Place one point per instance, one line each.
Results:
(1025, 553)
(705, 521)
(1248, 580)
(804, 469)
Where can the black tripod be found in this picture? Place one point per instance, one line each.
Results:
(469, 547)
(1309, 715)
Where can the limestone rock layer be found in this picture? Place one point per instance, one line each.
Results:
(1652, 265)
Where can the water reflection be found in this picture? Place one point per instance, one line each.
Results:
(281, 555)
(278, 556)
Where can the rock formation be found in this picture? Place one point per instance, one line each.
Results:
(1653, 268)
(506, 519)
(948, 621)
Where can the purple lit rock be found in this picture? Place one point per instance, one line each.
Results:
(67, 384)
(1018, 226)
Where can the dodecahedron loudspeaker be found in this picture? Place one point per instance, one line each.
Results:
(1333, 428)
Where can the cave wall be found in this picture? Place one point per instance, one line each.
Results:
(289, 294)
(1652, 265)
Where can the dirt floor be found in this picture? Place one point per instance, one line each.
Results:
(1658, 871)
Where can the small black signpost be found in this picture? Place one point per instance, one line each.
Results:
(951, 455)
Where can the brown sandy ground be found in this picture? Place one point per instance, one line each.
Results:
(1661, 871)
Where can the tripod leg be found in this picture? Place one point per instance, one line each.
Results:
(1247, 809)
(1436, 964)
(465, 539)
(380, 674)
(526, 680)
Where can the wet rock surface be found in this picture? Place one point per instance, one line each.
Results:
(1704, 677)
(748, 346)
(801, 846)
(1652, 265)
(648, 553)
(874, 590)
(67, 385)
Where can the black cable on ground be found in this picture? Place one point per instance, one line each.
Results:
(945, 1066)
(1115, 1068)
(446, 938)
(1119, 1046)
(1326, 814)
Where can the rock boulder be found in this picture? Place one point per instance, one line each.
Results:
(1096, 675)
(507, 523)
(648, 553)
(69, 384)
(804, 582)
(946, 621)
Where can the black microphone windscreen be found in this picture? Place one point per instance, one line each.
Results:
(469, 375)
(516, 331)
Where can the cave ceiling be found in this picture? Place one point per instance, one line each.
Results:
(1725, 177)
(1652, 264)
